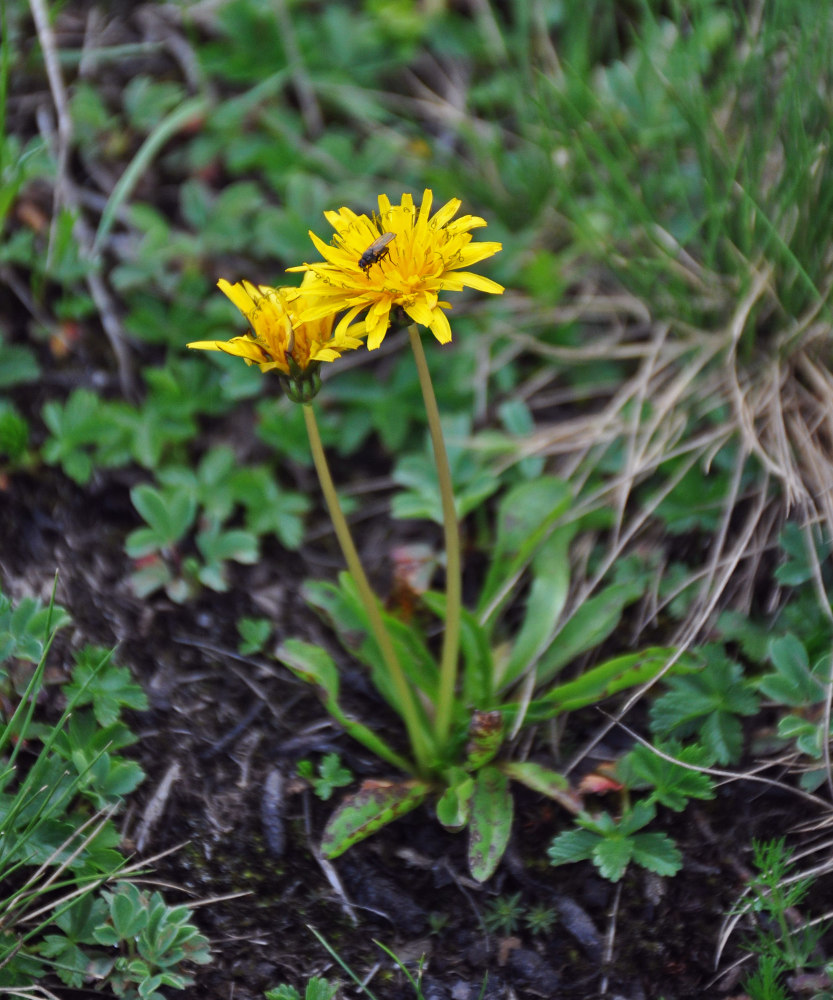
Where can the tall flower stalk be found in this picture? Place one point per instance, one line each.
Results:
(407, 701)
(451, 527)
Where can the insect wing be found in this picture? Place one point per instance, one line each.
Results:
(380, 243)
(376, 251)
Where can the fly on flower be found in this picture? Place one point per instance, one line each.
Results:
(433, 254)
(375, 252)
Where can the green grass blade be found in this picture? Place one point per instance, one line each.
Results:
(168, 127)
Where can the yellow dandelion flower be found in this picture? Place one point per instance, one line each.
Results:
(403, 257)
(279, 340)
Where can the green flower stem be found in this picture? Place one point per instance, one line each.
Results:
(407, 701)
(453, 574)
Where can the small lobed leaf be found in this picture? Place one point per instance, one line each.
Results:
(216, 545)
(709, 704)
(611, 856)
(213, 576)
(128, 912)
(17, 365)
(640, 814)
(673, 784)
(657, 852)
(150, 578)
(571, 846)
(320, 989)
(722, 734)
(792, 683)
(254, 633)
(96, 680)
(333, 774)
(169, 513)
(283, 992)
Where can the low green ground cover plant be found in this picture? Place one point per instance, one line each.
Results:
(786, 663)
(254, 634)
(327, 777)
(783, 947)
(317, 988)
(612, 844)
(208, 499)
(503, 915)
(68, 908)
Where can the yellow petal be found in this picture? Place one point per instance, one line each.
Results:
(346, 320)
(250, 350)
(425, 207)
(325, 354)
(238, 296)
(348, 217)
(207, 345)
(440, 326)
(253, 292)
(384, 205)
(420, 312)
(377, 327)
(474, 252)
(446, 213)
(476, 281)
(465, 223)
(239, 347)
(334, 255)
(319, 311)
(321, 287)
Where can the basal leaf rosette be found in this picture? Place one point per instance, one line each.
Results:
(279, 339)
(427, 256)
